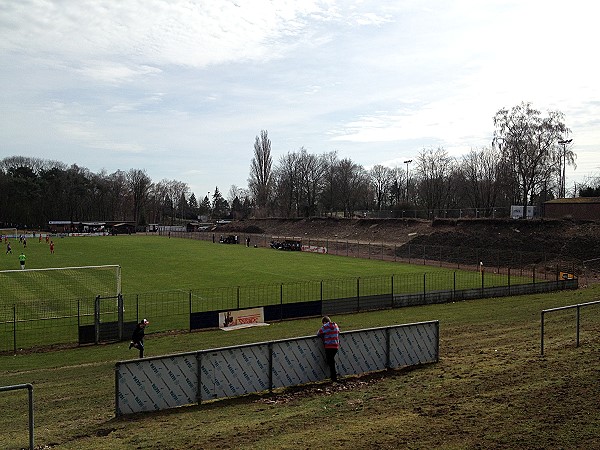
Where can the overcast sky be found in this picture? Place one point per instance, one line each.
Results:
(182, 88)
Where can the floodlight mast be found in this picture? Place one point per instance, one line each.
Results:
(563, 181)
(407, 162)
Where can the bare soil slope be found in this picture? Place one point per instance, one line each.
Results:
(580, 240)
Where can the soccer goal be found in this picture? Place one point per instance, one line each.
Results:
(592, 268)
(59, 283)
(8, 232)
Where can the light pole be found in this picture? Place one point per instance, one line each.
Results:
(407, 162)
(563, 180)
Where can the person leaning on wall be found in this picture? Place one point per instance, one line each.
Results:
(330, 334)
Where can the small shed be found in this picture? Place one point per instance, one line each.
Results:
(580, 208)
(62, 226)
(122, 228)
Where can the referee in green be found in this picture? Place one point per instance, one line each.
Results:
(22, 260)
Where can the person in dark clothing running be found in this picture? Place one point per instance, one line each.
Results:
(137, 338)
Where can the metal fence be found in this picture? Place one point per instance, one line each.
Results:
(30, 324)
(577, 308)
(431, 255)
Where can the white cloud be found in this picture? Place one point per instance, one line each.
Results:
(181, 88)
(109, 72)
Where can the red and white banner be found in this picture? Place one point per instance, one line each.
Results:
(232, 320)
(314, 249)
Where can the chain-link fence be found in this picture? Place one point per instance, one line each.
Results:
(430, 255)
(31, 324)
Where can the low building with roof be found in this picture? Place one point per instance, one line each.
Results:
(579, 208)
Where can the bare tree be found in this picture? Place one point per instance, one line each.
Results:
(311, 172)
(260, 181)
(161, 203)
(381, 179)
(434, 168)
(118, 194)
(239, 200)
(480, 171)
(180, 192)
(139, 184)
(397, 188)
(329, 193)
(529, 143)
(287, 185)
(352, 182)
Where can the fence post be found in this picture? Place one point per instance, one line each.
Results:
(498, 261)
(424, 286)
(533, 274)
(387, 348)
(542, 335)
(509, 281)
(97, 319)
(392, 291)
(121, 314)
(321, 292)
(238, 297)
(190, 312)
(482, 281)
(358, 293)
(454, 286)
(15, 329)
(578, 309)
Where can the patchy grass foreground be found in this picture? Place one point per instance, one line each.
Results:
(491, 389)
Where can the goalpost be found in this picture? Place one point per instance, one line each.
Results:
(592, 268)
(59, 283)
(8, 232)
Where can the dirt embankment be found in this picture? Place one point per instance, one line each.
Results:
(580, 240)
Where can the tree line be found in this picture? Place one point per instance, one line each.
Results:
(524, 165)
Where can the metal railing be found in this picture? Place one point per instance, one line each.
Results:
(562, 308)
(29, 388)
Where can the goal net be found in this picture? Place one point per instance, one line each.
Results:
(592, 268)
(8, 232)
(61, 283)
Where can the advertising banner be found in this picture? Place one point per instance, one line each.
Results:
(233, 320)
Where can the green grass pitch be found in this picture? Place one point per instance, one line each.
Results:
(164, 278)
(155, 263)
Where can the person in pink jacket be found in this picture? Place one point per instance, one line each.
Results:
(330, 334)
